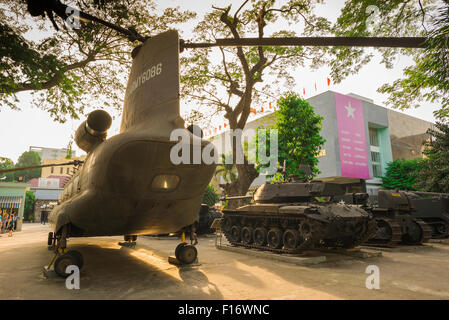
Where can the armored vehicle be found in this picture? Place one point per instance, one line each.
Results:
(434, 211)
(296, 216)
(395, 221)
(206, 216)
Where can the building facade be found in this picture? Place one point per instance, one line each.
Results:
(66, 170)
(46, 191)
(361, 138)
(12, 199)
(51, 153)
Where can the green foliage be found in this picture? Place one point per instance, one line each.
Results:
(6, 164)
(64, 69)
(299, 136)
(299, 142)
(427, 79)
(433, 174)
(28, 159)
(30, 199)
(210, 196)
(226, 168)
(247, 75)
(401, 174)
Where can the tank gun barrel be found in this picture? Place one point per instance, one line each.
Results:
(236, 198)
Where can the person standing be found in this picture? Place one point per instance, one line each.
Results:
(10, 225)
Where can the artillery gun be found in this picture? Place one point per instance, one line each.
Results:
(296, 216)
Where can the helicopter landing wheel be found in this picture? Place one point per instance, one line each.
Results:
(78, 256)
(186, 253)
(63, 261)
(50, 239)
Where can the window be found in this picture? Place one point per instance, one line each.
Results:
(377, 166)
(373, 137)
(68, 170)
(165, 182)
(60, 170)
(376, 161)
(52, 169)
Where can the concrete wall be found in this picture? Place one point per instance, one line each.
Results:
(324, 105)
(407, 135)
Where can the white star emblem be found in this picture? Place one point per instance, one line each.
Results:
(350, 110)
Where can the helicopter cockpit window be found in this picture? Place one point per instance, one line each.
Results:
(165, 182)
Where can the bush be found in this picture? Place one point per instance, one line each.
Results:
(210, 196)
(401, 174)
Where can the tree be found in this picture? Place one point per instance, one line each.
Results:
(226, 169)
(433, 174)
(299, 140)
(210, 196)
(299, 136)
(28, 212)
(65, 68)
(401, 174)
(6, 164)
(428, 78)
(240, 73)
(28, 159)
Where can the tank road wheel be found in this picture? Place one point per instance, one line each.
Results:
(186, 254)
(441, 229)
(291, 238)
(274, 238)
(236, 234)
(260, 236)
(62, 262)
(247, 235)
(306, 230)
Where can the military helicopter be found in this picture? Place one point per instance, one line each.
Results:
(128, 184)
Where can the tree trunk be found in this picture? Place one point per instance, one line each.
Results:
(246, 175)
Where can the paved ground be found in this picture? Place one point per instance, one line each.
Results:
(113, 272)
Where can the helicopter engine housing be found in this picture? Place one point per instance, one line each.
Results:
(93, 131)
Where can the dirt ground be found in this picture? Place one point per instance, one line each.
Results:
(114, 272)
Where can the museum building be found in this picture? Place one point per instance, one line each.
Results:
(361, 138)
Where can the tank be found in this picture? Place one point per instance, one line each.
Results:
(396, 223)
(297, 216)
(434, 211)
(206, 216)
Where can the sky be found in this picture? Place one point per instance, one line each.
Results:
(34, 127)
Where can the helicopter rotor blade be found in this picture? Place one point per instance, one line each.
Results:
(75, 163)
(390, 42)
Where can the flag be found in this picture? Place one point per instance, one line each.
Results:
(252, 110)
(328, 82)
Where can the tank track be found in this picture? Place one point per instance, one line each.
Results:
(396, 234)
(314, 239)
(426, 231)
(436, 232)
